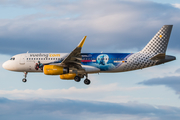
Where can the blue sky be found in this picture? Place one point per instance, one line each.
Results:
(111, 26)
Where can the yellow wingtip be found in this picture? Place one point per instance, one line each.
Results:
(82, 42)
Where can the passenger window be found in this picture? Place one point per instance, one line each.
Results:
(34, 58)
(41, 58)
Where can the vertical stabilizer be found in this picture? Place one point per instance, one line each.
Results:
(159, 42)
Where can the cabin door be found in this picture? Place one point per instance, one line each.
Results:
(22, 60)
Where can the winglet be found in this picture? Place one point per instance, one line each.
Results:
(82, 42)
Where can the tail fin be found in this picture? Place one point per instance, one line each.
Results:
(159, 42)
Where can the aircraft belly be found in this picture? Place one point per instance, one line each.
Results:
(90, 69)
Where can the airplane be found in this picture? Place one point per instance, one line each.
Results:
(77, 65)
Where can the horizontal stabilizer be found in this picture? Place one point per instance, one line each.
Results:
(159, 56)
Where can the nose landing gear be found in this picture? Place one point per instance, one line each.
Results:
(25, 75)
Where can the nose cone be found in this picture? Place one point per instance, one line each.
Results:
(5, 65)
(9, 65)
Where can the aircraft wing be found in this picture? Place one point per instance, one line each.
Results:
(74, 58)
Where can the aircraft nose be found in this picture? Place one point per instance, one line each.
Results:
(5, 65)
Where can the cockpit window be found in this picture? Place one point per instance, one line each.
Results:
(12, 58)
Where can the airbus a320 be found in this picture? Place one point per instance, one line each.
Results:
(77, 65)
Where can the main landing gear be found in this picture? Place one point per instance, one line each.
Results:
(77, 78)
(86, 81)
(25, 75)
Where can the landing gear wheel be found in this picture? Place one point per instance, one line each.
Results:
(87, 81)
(77, 78)
(24, 80)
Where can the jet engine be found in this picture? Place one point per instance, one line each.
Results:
(55, 70)
(69, 76)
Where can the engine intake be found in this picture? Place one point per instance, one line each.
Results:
(54, 70)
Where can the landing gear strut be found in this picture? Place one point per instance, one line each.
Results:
(25, 75)
(87, 81)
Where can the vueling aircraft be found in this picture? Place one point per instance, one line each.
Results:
(77, 65)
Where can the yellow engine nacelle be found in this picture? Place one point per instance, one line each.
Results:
(54, 70)
(69, 76)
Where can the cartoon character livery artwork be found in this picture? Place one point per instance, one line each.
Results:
(102, 59)
(39, 65)
(77, 65)
(105, 61)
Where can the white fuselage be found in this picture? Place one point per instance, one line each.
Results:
(27, 62)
